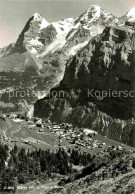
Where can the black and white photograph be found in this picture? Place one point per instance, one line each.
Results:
(67, 96)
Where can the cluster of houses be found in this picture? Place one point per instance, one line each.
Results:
(79, 137)
(34, 122)
(76, 136)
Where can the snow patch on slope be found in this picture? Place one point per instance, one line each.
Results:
(43, 24)
(96, 12)
(36, 16)
(42, 21)
(131, 15)
(92, 14)
(30, 112)
(73, 50)
(33, 51)
(35, 42)
(96, 30)
(73, 30)
(62, 27)
(57, 44)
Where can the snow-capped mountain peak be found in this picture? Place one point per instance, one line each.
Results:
(131, 15)
(95, 8)
(41, 38)
(36, 16)
(94, 13)
(43, 23)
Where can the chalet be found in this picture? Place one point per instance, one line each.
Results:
(41, 130)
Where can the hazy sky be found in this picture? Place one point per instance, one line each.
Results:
(15, 13)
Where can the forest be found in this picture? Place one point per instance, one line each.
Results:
(18, 166)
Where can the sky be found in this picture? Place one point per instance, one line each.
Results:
(15, 13)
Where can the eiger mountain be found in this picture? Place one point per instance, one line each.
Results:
(93, 51)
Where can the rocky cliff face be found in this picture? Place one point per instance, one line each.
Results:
(106, 64)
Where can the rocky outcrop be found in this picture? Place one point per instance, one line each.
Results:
(6, 50)
(105, 64)
(47, 35)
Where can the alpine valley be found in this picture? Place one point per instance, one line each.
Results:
(61, 130)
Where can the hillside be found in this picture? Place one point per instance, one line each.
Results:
(102, 176)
